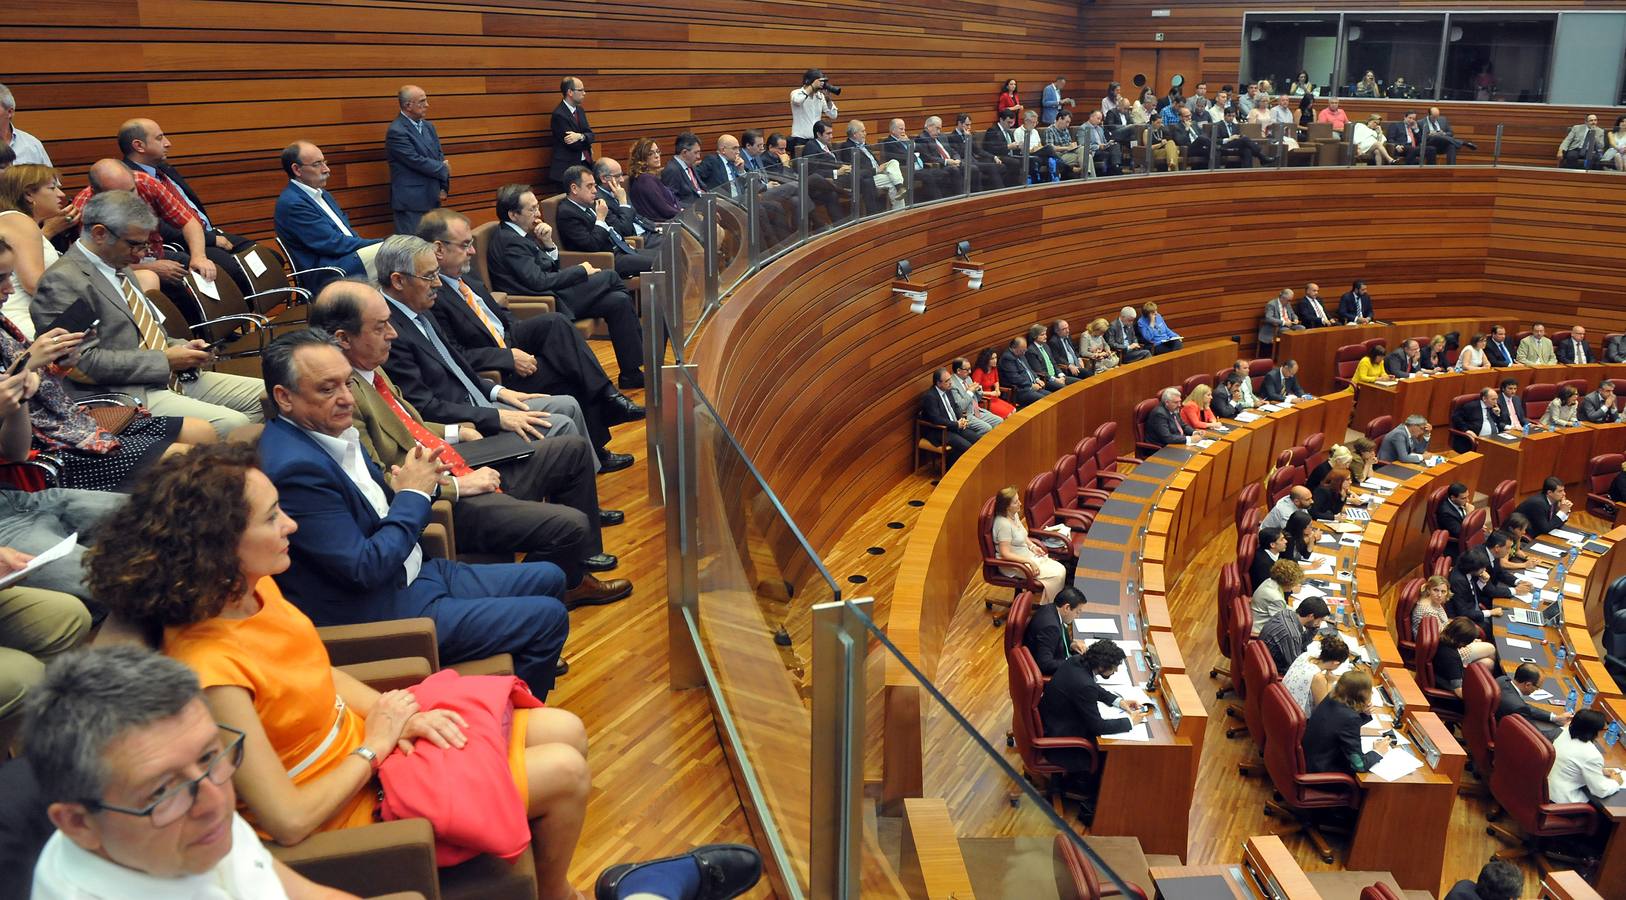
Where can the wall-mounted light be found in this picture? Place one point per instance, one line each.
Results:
(964, 266)
(913, 292)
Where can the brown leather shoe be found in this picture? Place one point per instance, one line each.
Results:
(593, 592)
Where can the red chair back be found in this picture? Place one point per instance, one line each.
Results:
(1241, 630)
(1190, 384)
(1247, 546)
(1378, 427)
(1346, 359)
(1519, 783)
(1503, 501)
(1087, 446)
(1405, 638)
(1431, 522)
(1369, 343)
(1379, 891)
(1314, 443)
(1026, 688)
(1229, 588)
(1143, 409)
(1016, 620)
(1284, 757)
(1064, 481)
(1536, 398)
(1461, 399)
(1251, 520)
(1444, 703)
(1480, 696)
(1075, 876)
(1578, 383)
(1258, 369)
(1282, 481)
(1246, 500)
(1258, 673)
(1039, 500)
(1473, 529)
(1106, 446)
(1601, 472)
(1437, 542)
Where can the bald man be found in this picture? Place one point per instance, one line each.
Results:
(1298, 497)
(420, 175)
(724, 171)
(146, 149)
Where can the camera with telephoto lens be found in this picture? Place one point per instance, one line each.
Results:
(836, 91)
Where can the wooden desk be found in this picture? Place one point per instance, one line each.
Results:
(1317, 348)
(1531, 460)
(1274, 871)
(1147, 786)
(1431, 395)
(1204, 883)
(1403, 823)
(1567, 885)
(1611, 875)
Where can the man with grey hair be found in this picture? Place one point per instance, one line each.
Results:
(877, 179)
(134, 354)
(27, 148)
(1123, 340)
(310, 222)
(966, 393)
(420, 174)
(137, 778)
(1279, 316)
(1164, 425)
(1407, 442)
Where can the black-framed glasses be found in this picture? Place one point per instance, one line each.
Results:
(136, 245)
(173, 804)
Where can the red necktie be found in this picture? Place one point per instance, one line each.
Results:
(940, 151)
(694, 181)
(422, 435)
(587, 154)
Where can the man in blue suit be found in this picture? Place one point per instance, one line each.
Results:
(309, 221)
(419, 175)
(356, 556)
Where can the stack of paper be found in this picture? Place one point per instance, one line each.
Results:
(1324, 567)
(1082, 626)
(1328, 540)
(1568, 537)
(51, 554)
(1396, 764)
(1549, 551)
(1248, 415)
(1204, 444)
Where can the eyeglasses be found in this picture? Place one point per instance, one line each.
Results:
(426, 279)
(136, 245)
(173, 804)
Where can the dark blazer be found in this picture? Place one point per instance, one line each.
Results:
(579, 231)
(933, 410)
(1332, 739)
(927, 148)
(1119, 336)
(1464, 890)
(1593, 409)
(678, 182)
(1564, 349)
(1543, 517)
(1036, 357)
(1318, 474)
(962, 146)
(1614, 349)
(347, 562)
(1067, 708)
(902, 151)
(1470, 417)
(1466, 598)
(1164, 428)
(1308, 316)
(996, 142)
(462, 330)
(1273, 387)
(1397, 134)
(1327, 503)
(1617, 488)
(518, 265)
(1221, 404)
(1046, 639)
(1501, 582)
(1398, 364)
(418, 170)
(1259, 568)
(1014, 371)
(1449, 517)
(1059, 346)
(428, 385)
(1514, 703)
(1503, 401)
(1499, 354)
(713, 173)
(311, 237)
(1351, 305)
(625, 219)
(567, 155)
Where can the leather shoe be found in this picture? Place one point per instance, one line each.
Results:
(622, 409)
(608, 517)
(602, 562)
(726, 870)
(630, 381)
(1470, 145)
(561, 668)
(593, 592)
(613, 462)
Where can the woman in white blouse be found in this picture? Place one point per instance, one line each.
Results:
(1472, 357)
(1311, 677)
(1368, 137)
(31, 214)
(1564, 409)
(1027, 556)
(1614, 156)
(1270, 596)
(1578, 772)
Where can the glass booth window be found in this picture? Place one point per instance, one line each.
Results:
(1282, 49)
(1392, 55)
(1498, 57)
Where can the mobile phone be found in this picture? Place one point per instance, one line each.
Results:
(92, 336)
(17, 364)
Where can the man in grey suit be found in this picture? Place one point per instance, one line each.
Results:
(1515, 691)
(1123, 340)
(964, 393)
(1407, 442)
(1614, 349)
(1438, 136)
(1600, 407)
(420, 176)
(134, 355)
(1279, 316)
(1536, 349)
(1583, 147)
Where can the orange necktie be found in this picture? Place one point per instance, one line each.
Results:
(474, 304)
(422, 435)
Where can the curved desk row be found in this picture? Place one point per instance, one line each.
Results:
(1316, 349)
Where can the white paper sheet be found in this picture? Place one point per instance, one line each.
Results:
(50, 554)
(1248, 415)
(1568, 537)
(1515, 642)
(1396, 764)
(255, 265)
(1574, 587)
(1368, 741)
(1541, 695)
(1307, 591)
(1095, 626)
(206, 287)
(1328, 540)
(1204, 444)
(1271, 407)
(1551, 552)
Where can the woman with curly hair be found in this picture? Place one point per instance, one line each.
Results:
(189, 563)
(651, 198)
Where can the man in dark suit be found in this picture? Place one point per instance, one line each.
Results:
(1123, 339)
(937, 407)
(1438, 137)
(309, 221)
(1064, 352)
(1282, 382)
(1573, 350)
(1039, 360)
(522, 259)
(1016, 374)
(1511, 406)
(544, 505)
(1502, 584)
(1071, 703)
(356, 557)
(1228, 402)
(1497, 352)
(680, 175)
(872, 174)
(1310, 309)
(1548, 509)
(612, 189)
(420, 175)
(1498, 880)
(1193, 142)
(146, 149)
(1600, 407)
(438, 380)
(985, 173)
(1164, 426)
(543, 354)
(931, 181)
(572, 136)
(1449, 515)
(1406, 135)
(1232, 142)
(1407, 359)
(724, 171)
(998, 143)
(1482, 417)
(1355, 306)
(584, 225)
(1050, 630)
(1614, 349)
(936, 154)
(1515, 700)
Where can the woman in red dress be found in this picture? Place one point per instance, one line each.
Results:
(986, 375)
(1008, 98)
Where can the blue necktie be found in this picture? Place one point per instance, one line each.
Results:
(478, 398)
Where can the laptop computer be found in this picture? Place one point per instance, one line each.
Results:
(495, 449)
(1548, 614)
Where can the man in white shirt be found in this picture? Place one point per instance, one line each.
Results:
(138, 778)
(27, 147)
(809, 104)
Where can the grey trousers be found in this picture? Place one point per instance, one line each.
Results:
(33, 522)
(566, 417)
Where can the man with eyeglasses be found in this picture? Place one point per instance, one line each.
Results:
(133, 353)
(310, 222)
(137, 779)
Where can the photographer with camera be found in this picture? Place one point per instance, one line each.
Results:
(808, 104)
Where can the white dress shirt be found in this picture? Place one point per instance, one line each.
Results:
(316, 195)
(116, 280)
(1577, 771)
(28, 148)
(66, 871)
(346, 451)
(1320, 311)
(806, 108)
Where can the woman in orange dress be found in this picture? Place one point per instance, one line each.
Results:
(1195, 411)
(986, 375)
(315, 736)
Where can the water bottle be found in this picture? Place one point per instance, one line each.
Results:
(1535, 597)
(1132, 627)
(1588, 697)
(1561, 654)
(1612, 736)
(1527, 429)
(1561, 573)
(1569, 703)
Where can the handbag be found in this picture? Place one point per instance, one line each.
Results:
(113, 419)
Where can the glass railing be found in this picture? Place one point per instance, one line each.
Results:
(796, 672)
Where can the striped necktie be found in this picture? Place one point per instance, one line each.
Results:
(152, 334)
(480, 313)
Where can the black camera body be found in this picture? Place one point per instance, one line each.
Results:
(832, 89)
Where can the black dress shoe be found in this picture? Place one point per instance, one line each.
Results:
(608, 517)
(602, 562)
(1470, 145)
(561, 668)
(726, 870)
(630, 382)
(614, 462)
(595, 592)
(622, 409)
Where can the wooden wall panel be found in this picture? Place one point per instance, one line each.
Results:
(234, 81)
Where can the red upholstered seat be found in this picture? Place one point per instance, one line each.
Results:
(1519, 783)
(1027, 687)
(1076, 878)
(1187, 386)
(1431, 523)
(1346, 359)
(1281, 481)
(1039, 501)
(1503, 500)
(1299, 788)
(1480, 696)
(1473, 528)
(1314, 443)
(1444, 703)
(1536, 398)
(1247, 499)
(1600, 474)
(1143, 447)
(1106, 456)
(1380, 426)
(1258, 673)
(1405, 638)
(1379, 891)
